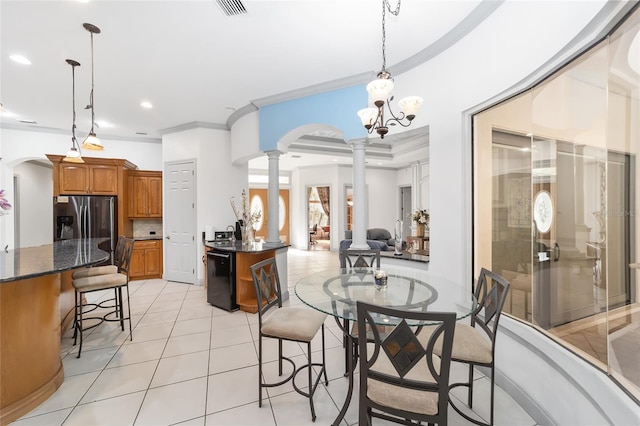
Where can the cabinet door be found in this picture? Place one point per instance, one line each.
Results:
(139, 197)
(137, 263)
(154, 199)
(152, 261)
(74, 178)
(103, 180)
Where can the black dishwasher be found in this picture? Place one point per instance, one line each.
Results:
(221, 280)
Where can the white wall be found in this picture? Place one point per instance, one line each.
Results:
(217, 180)
(245, 143)
(35, 203)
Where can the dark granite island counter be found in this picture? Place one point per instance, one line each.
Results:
(243, 256)
(36, 303)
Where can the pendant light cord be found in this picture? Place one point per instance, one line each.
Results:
(74, 141)
(93, 117)
(396, 12)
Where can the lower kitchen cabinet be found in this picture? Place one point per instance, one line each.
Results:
(146, 259)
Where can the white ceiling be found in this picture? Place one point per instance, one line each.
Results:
(194, 64)
(191, 61)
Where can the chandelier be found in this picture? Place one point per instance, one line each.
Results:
(379, 91)
(92, 141)
(73, 156)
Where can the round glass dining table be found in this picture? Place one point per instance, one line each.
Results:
(336, 292)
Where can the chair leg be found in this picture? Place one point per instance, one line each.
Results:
(279, 357)
(311, 389)
(324, 364)
(129, 311)
(79, 322)
(260, 371)
(120, 307)
(470, 389)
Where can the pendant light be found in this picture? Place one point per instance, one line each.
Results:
(373, 118)
(92, 142)
(73, 156)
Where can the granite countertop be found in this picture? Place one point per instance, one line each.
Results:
(148, 237)
(238, 247)
(414, 257)
(30, 262)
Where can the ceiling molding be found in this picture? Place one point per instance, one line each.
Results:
(239, 113)
(477, 16)
(39, 129)
(193, 125)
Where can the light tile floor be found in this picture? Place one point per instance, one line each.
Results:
(191, 363)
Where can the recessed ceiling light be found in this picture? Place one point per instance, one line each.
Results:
(379, 164)
(335, 159)
(141, 133)
(20, 59)
(231, 108)
(296, 156)
(28, 121)
(146, 104)
(103, 124)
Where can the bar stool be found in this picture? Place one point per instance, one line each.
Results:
(91, 283)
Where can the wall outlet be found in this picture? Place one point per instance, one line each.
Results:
(152, 232)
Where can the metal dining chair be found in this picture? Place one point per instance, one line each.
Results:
(285, 323)
(369, 258)
(474, 344)
(91, 283)
(401, 378)
(103, 269)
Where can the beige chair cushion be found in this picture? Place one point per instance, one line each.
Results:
(469, 344)
(99, 282)
(97, 270)
(401, 398)
(293, 323)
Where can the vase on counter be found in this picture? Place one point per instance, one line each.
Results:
(420, 230)
(247, 233)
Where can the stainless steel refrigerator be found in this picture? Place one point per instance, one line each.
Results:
(84, 217)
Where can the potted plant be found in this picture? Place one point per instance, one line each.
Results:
(421, 218)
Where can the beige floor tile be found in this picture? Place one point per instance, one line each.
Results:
(120, 381)
(173, 403)
(181, 368)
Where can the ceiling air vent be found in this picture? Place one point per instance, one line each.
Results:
(231, 7)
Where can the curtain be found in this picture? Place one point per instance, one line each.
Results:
(323, 194)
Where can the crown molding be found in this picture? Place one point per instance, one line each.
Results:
(193, 125)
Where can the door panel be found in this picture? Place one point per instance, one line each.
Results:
(180, 222)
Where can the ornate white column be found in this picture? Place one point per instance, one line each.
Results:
(359, 233)
(273, 231)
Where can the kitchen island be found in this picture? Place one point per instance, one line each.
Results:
(36, 304)
(232, 277)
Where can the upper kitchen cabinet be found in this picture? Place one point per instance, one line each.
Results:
(145, 194)
(96, 176)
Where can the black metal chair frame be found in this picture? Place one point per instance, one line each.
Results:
(314, 231)
(265, 303)
(355, 260)
(404, 335)
(124, 249)
(360, 258)
(490, 304)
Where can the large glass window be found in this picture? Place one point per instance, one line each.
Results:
(556, 210)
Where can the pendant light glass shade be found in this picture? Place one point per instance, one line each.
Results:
(92, 142)
(73, 156)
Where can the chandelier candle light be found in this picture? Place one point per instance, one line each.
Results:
(380, 89)
(92, 142)
(73, 156)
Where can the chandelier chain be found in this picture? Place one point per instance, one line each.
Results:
(396, 12)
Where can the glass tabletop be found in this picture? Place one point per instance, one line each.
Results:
(336, 291)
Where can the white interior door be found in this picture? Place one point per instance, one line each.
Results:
(180, 222)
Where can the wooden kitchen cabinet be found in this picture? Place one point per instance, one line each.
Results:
(95, 179)
(146, 259)
(145, 194)
(96, 176)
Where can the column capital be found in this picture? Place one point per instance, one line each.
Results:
(358, 143)
(274, 153)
